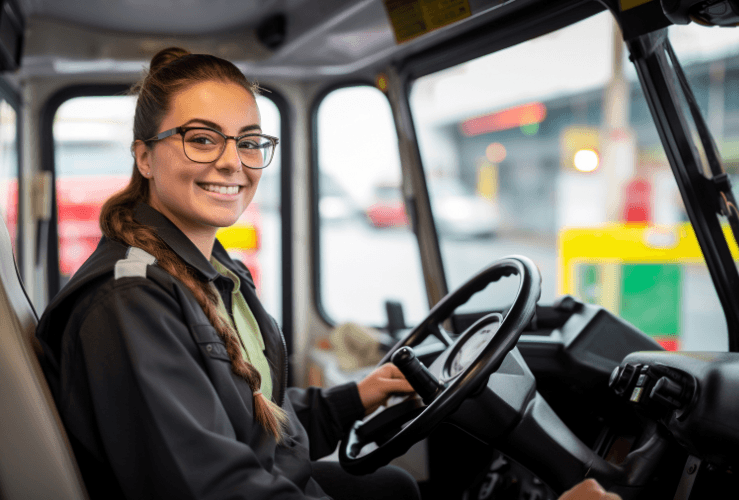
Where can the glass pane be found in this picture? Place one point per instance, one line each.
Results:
(369, 255)
(9, 171)
(264, 211)
(541, 151)
(92, 137)
(92, 140)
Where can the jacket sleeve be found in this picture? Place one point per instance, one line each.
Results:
(162, 425)
(326, 414)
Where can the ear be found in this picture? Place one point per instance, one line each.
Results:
(142, 154)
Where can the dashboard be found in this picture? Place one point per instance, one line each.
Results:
(694, 398)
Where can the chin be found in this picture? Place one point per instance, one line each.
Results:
(222, 221)
(222, 218)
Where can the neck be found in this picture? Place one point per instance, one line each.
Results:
(203, 241)
(202, 236)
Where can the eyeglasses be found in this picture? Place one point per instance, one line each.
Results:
(206, 145)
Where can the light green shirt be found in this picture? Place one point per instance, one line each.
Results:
(252, 343)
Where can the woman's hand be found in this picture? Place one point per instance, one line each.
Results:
(379, 385)
(588, 490)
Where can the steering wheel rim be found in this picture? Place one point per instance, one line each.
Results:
(462, 384)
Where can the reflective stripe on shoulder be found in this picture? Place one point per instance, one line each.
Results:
(134, 265)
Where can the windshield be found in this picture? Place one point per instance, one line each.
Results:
(555, 145)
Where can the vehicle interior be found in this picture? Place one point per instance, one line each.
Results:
(526, 205)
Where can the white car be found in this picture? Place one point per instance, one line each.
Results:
(459, 212)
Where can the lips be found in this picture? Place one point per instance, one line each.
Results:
(216, 188)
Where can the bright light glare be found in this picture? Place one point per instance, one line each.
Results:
(495, 152)
(586, 160)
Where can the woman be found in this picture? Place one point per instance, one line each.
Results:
(168, 373)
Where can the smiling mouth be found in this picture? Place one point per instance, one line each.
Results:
(214, 188)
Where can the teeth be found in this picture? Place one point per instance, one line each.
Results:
(220, 189)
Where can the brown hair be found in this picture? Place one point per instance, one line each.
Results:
(171, 71)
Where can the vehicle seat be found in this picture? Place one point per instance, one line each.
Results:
(36, 460)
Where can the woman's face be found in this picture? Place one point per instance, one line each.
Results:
(186, 192)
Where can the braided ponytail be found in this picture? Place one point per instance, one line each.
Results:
(172, 70)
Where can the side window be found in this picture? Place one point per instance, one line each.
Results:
(9, 170)
(92, 157)
(534, 150)
(368, 253)
(92, 140)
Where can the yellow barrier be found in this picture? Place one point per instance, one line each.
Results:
(239, 237)
(628, 244)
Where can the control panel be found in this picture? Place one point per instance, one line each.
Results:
(656, 389)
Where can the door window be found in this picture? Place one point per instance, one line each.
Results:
(368, 253)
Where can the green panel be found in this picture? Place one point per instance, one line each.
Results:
(589, 283)
(650, 297)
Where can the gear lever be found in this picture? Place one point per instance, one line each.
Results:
(420, 378)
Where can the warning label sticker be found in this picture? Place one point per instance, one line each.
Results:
(411, 18)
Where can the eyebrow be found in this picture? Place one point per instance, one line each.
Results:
(214, 125)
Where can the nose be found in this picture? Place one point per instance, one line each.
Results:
(229, 159)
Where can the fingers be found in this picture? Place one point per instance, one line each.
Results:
(393, 379)
(391, 385)
(391, 371)
(589, 489)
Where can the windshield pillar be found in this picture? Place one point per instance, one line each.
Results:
(415, 192)
(659, 74)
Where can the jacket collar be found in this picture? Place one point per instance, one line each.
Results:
(186, 249)
(177, 241)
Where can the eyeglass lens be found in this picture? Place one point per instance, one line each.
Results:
(206, 146)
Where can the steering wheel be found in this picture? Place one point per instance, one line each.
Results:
(483, 372)
(460, 371)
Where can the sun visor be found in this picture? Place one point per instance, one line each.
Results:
(12, 25)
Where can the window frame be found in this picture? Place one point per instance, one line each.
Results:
(314, 193)
(314, 186)
(451, 53)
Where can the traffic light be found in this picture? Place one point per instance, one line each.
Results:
(579, 147)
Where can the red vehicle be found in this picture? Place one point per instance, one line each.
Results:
(389, 209)
(9, 206)
(79, 200)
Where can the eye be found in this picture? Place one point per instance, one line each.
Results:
(202, 138)
(250, 143)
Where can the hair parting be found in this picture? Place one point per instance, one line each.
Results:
(171, 71)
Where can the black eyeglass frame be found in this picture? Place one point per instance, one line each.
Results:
(182, 130)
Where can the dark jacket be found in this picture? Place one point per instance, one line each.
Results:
(145, 389)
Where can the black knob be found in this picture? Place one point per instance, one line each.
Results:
(420, 378)
(621, 378)
(669, 393)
